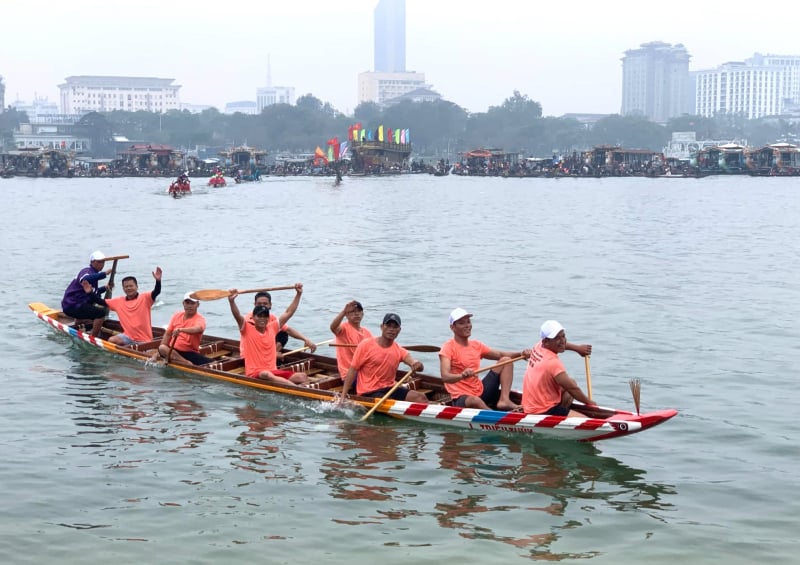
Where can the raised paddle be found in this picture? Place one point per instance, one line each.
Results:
(420, 348)
(588, 377)
(387, 395)
(217, 293)
(113, 272)
(306, 347)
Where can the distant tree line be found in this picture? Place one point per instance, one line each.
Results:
(438, 129)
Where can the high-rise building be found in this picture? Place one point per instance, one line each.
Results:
(656, 81)
(739, 89)
(83, 94)
(390, 36)
(390, 78)
(2, 95)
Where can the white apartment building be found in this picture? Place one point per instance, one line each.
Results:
(656, 81)
(269, 95)
(382, 87)
(82, 94)
(790, 69)
(741, 89)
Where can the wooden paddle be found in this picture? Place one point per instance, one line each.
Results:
(387, 395)
(500, 364)
(588, 377)
(217, 293)
(171, 347)
(113, 272)
(306, 347)
(420, 348)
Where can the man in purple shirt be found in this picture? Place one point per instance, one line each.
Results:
(80, 298)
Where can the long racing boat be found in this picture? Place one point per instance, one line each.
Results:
(325, 386)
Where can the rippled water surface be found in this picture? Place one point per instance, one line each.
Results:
(688, 284)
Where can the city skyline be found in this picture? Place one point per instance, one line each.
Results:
(569, 63)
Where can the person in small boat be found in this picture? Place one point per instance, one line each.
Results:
(133, 310)
(376, 362)
(546, 386)
(460, 358)
(187, 326)
(80, 300)
(258, 338)
(348, 332)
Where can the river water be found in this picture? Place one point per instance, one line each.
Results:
(687, 284)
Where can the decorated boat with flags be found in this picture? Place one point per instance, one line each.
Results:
(325, 385)
(379, 151)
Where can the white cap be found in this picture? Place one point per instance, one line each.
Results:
(457, 314)
(188, 296)
(550, 329)
(97, 256)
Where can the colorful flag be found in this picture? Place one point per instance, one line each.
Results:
(343, 150)
(380, 133)
(319, 154)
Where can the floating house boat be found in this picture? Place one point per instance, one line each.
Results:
(150, 159)
(605, 160)
(243, 158)
(777, 159)
(726, 159)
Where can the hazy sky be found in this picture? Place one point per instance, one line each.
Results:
(564, 55)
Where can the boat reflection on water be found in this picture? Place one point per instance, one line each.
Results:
(527, 494)
(371, 463)
(567, 484)
(113, 409)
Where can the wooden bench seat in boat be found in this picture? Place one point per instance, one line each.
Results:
(145, 346)
(214, 350)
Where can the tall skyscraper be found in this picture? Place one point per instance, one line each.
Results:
(390, 36)
(656, 81)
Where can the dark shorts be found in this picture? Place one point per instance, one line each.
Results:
(88, 311)
(557, 410)
(194, 358)
(399, 394)
(490, 394)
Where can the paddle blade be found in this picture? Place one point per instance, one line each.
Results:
(422, 348)
(210, 294)
(636, 390)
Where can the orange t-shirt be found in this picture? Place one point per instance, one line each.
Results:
(134, 315)
(461, 358)
(248, 319)
(348, 335)
(376, 365)
(261, 348)
(187, 342)
(540, 391)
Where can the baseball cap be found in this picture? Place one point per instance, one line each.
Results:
(550, 329)
(457, 314)
(260, 309)
(391, 317)
(188, 296)
(97, 256)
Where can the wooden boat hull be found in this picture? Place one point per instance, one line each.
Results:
(325, 386)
